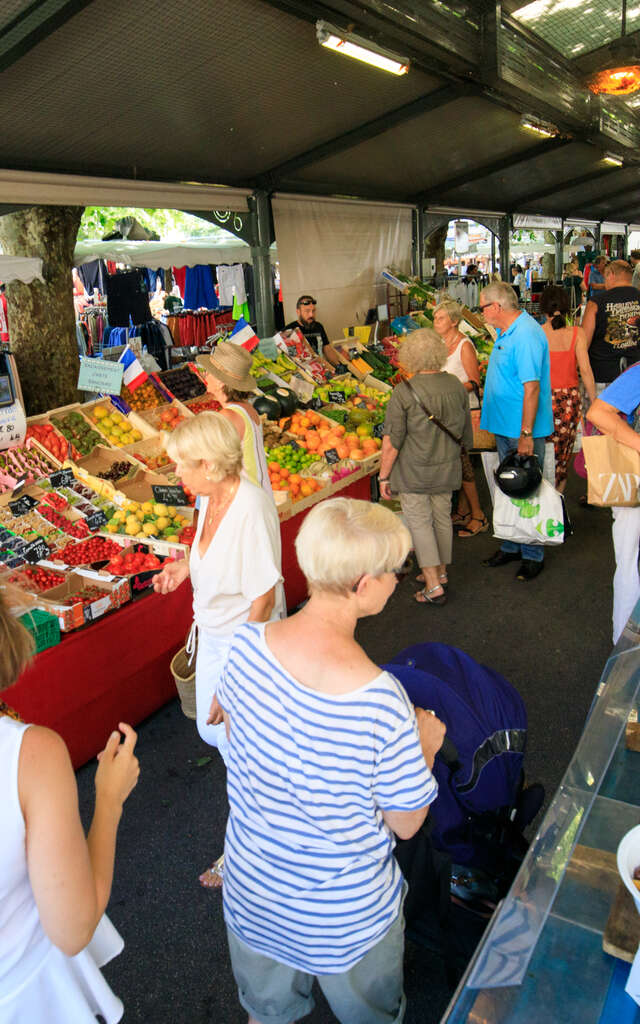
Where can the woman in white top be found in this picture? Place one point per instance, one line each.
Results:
(462, 362)
(226, 374)
(54, 883)
(235, 562)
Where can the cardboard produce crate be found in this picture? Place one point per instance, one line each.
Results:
(72, 614)
(102, 459)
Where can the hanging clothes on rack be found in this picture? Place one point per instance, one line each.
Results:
(152, 277)
(192, 328)
(231, 284)
(127, 298)
(94, 275)
(179, 275)
(199, 291)
(93, 321)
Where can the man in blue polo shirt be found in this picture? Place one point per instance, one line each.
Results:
(517, 400)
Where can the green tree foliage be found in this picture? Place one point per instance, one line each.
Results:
(171, 225)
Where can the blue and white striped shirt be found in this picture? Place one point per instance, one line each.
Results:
(310, 879)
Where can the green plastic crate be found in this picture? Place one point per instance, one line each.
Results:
(44, 628)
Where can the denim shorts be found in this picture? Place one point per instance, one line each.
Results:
(370, 992)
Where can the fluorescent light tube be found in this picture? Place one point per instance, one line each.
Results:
(352, 46)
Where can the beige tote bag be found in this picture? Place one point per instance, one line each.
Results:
(613, 472)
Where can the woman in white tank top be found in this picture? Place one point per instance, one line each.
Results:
(469, 519)
(54, 884)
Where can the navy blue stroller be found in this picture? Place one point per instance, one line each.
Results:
(466, 855)
(482, 805)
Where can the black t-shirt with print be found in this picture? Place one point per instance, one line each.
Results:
(616, 338)
(313, 332)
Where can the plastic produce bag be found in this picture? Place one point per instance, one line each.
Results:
(538, 519)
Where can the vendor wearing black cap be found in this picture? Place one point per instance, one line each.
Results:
(313, 331)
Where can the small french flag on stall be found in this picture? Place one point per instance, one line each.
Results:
(134, 375)
(244, 335)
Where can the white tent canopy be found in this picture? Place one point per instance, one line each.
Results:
(189, 253)
(20, 268)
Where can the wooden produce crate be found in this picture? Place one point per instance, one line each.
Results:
(134, 420)
(157, 419)
(56, 415)
(103, 458)
(145, 454)
(138, 487)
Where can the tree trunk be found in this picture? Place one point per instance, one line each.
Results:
(41, 316)
(435, 247)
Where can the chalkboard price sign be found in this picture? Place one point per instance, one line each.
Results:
(331, 455)
(337, 397)
(22, 505)
(63, 478)
(36, 550)
(96, 520)
(378, 430)
(169, 494)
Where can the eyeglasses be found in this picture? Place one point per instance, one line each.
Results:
(486, 305)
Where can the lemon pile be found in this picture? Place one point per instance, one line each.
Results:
(149, 519)
(114, 426)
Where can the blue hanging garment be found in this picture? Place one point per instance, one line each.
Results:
(199, 291)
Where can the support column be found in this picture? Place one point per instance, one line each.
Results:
(420, 229)
(559, 235)
(263, 236)
(415, 242)
(504, 240)
(493, 252)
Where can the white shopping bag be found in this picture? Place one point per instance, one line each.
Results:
(538, 519)
(490, 462)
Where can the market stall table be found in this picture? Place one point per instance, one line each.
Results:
(115, 670)
(295, 586)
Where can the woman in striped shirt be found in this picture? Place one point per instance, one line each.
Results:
(327, 760)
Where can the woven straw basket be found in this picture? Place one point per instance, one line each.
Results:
(184, 675)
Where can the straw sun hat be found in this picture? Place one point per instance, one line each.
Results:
(230, 364)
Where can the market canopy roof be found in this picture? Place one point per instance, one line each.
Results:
(189, 253)
(20, 268)
(239, 93)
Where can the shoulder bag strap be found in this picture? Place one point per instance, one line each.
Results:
(430, 415)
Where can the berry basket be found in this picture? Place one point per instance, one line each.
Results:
(44, 628)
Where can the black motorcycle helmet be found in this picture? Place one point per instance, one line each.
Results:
(518, 476)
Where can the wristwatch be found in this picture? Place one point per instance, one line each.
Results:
(525, 433)
(383, 479)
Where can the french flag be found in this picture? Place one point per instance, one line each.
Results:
(134, 375)
(244, 335)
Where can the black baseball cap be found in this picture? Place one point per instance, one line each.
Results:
(306, 300)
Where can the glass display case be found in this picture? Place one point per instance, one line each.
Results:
(541, 958)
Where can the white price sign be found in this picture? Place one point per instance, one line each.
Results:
(13, 425)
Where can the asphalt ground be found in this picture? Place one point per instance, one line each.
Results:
(550, 637)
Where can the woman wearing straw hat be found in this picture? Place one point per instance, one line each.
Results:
(226, 374)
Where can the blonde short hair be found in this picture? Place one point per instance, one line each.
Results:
(451, 308)
(422, 350)
(343, 539)
(207, 437)
(16, 643)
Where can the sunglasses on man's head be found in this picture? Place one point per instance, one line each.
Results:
(308, 302)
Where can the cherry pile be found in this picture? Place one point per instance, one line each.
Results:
(79, 530)
(96, 549)
(43, 579)
(116, 471)
(85, 595)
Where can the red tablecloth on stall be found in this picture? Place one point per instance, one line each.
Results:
(118, 669)
(115, 670)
